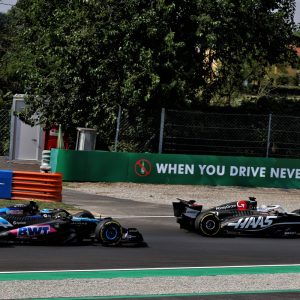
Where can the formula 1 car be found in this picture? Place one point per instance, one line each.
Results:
(237, 218)
(26, 223)
(20, 209)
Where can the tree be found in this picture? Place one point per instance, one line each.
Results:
(242, 34)
(4, 45)
(82, 58)
(297, 36)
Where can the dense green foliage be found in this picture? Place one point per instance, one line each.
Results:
(4, 46)
(78, 60)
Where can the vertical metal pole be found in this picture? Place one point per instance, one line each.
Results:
(161, 131)
(77, 140)
(269, 134)
(118, 128)
(12, 146)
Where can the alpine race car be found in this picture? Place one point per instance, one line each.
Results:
(26, 223)
(237, 218)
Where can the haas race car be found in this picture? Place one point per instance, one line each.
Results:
(237, 218)
(26, 223)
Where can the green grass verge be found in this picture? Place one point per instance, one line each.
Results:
(41, 204)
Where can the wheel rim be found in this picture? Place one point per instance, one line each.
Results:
(210, 225)
(111, 233)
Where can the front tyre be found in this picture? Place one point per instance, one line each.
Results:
(207, 224)
(109, 232)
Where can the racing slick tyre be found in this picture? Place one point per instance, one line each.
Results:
(207, 224)
(109, 232)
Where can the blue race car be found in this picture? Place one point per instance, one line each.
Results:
(26, 223)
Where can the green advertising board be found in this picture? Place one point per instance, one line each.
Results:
(89, 165)
(176, 169)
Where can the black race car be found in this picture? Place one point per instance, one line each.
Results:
(26, 223)
(237, 218)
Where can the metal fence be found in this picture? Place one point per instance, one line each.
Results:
(4, 132)
(4, 138)
(137, 131)
(194, 132)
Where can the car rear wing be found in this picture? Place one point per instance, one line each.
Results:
(180, 207)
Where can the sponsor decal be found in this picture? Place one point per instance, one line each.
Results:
(226, 207)
(191, 211)
(241, 205)
(225, 170)
(15, 212)
(19, 223)
(35, 230)
(79, 222)
(290, 233)
(253, 222)
(4, 223)
(180, 169)
(143, 167)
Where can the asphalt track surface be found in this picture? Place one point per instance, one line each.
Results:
(167, 246)
(270, 296)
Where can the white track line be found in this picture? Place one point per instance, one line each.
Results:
(136, 217)
(149, 269)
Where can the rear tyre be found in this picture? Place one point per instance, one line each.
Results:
(207, 224)
(109, 232)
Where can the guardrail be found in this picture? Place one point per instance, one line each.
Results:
(32, 186)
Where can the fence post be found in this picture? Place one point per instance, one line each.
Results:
(269, 134)
(161, 131)
(118, 128)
